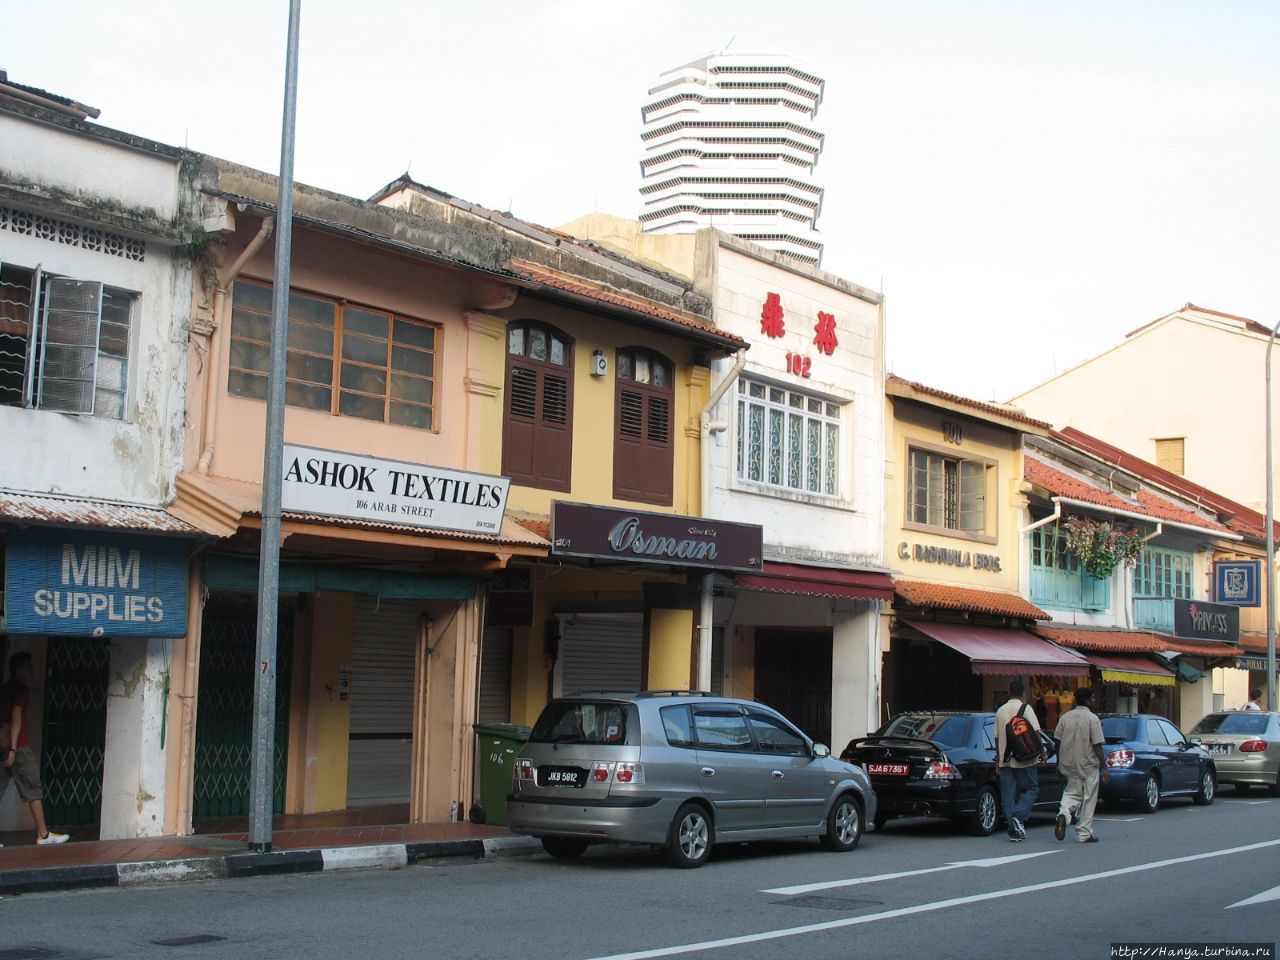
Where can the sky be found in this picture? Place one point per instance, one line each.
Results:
(1025, 181)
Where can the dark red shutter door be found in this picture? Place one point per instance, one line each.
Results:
(553, 453)
(519, 440)
(659, 461)
(628, 447)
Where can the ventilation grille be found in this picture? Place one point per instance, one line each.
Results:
(28, 224)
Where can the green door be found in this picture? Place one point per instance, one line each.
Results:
(224, 714)
(75, 729)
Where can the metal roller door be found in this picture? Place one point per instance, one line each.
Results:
(381, 736)
(495, 676)
(601, 651)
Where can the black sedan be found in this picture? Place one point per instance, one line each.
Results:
(1149, 758)
(942, 764)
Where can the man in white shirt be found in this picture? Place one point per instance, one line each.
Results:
(1080, 758)
(1019, 781)
(1255, 701)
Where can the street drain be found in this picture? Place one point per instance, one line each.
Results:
(818, 902)
(185, 941)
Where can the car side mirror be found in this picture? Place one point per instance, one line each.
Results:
(821, 750)
(1196, 742)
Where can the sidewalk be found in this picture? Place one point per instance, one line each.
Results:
(300, 844)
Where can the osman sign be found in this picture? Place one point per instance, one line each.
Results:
(96, 584)
(352, 487)
(605, 533)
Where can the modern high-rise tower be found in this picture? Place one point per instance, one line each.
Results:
(729, 142)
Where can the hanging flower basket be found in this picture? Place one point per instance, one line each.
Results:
(1100, 547)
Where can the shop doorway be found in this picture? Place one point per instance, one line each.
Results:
(75, 729)
(600, 651)
(224, 712)
(932, 676)
(793, 675)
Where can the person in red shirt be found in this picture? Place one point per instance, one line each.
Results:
(17, 762)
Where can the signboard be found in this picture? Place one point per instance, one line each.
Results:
(1201, 620)
(95, 584)
(945, 555)
(604, 533)
(357, 487)
(1235, 582)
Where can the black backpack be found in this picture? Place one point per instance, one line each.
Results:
(1021, 741)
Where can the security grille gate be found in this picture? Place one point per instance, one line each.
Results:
(495, 676)
(601, 651)
(380, 751)
(224, 712)
(75, 729)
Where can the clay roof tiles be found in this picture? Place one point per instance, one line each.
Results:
(918, 593)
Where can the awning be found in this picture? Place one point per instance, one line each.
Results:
(47, 508)
(240, 573)
(1134, 670)
(818, 582)
(1004, 652)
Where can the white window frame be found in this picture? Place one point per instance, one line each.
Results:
(778, 406)
(951, 510)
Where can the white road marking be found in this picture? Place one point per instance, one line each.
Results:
(989, 862)
(927, 907)
(1254, 803)
(1120, 819)
(1263, 897)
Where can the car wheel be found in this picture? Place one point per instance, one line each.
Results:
(564, 848)
(844, 825)
(1150, 799)
(689, 839)
(1204, 796)
(982, 822)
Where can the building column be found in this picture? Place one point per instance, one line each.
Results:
(133, 777)
(670, 649)
(855, 675)
(1194, 701)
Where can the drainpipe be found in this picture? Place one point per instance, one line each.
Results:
(706, 612)
(210, 418)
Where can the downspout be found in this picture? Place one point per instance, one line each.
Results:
(209, 422)
(706, 613)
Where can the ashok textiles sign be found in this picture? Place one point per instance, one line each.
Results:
(78, 584)
(578, 530)
(353, 487)
(1236, 582)
(1201, 620)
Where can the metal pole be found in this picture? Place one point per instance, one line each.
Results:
(1271, 542)
(262, 762)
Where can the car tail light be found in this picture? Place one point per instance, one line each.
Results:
(629, 773)
(524, 769)
(600, 772)
(1253, 746)
(1120, 758)
(942, 769)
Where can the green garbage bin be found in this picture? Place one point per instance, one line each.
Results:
(496, 747)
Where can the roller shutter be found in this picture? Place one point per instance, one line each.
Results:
(601, 651)
(495, 676)
(381, 736)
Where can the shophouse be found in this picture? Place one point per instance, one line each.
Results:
(1147, 625)
(959, 630)
(599, 369)
(792, 440)
(95, 300)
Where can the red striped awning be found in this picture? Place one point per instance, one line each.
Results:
(999, 651)
(829, 582)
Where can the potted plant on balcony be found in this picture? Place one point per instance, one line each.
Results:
(1101, 547)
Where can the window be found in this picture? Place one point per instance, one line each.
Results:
(537, 436)
(1156, 734)
(946, 492)
(643, 450)
(1171, 733)
(787, 439)
(1171, 454)
(1164, 573)
(721, 730)
(343, 359)
(774, 736)
(1058, 580)
(64, 343)
(596, 722)
(678, 726)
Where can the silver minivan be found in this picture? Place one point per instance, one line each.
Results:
(682, 770)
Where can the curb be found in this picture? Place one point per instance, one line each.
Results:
(392, 856)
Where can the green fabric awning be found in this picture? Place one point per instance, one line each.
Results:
(240, 573)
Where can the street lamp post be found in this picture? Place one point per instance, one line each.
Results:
(1271, 541)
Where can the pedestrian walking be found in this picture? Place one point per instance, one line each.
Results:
(1255, 701)
(18, 763)
(1019, 781)
(1080, 758)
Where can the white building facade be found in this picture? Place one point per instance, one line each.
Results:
(729, 142)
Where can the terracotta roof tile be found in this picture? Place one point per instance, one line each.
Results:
(994, 409)
(1254, 642)
(532, 271)
(541, 527)
(1156, 507)
(1132, 641)
(917, 593)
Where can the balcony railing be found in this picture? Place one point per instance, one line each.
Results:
(1153, 613)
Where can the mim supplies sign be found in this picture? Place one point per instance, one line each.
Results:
(1201, 620)
(95, 585)
(372, 490)
(604, 533)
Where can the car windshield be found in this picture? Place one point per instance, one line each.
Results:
(1119, 728)
(577, 721)
(1242, 722)
(946, 729)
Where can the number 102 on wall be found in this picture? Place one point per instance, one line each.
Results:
(799, 364)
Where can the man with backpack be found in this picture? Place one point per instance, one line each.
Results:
(1018, 750)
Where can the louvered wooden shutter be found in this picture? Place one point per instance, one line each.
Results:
(660, 451)
(521, 428)
(537, 440)
(643, 452)
(554, 451)
(628, 447)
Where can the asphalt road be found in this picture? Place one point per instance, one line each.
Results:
(1179, 875)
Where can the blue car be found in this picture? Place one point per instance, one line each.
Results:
(1149, 758)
